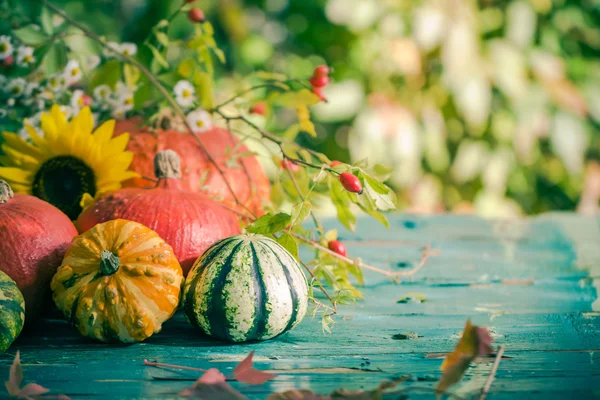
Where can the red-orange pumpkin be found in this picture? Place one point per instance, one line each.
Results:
(247, 177)
(34, 236)
(189, 222)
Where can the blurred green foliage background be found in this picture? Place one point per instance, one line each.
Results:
(481, 106)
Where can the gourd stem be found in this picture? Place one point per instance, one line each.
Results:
(167, 164)
(6, 192)
(109, 262)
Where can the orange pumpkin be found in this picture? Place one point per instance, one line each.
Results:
(246, 176)
(118, 282)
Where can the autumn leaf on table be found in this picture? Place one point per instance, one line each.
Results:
(212, 385)
(29, 391)
(475, 342)
(245, 372)
(340, 394)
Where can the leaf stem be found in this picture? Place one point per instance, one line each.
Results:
(490, 379)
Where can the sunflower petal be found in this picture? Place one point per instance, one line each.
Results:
(60, 119)
(18, 143)
(37, 140)
(105, 132)
(51, 131)
(6, 161)
(16, 175)
(116, 145)
(18, 188)
(21, 160)
(83, 123)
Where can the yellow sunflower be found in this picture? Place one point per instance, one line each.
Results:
(68, 162)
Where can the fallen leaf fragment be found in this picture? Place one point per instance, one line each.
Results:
(212, 386)
(297, 395)
(245, 372)
(476, 341)
(29, 391)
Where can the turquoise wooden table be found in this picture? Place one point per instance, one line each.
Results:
(532, 282)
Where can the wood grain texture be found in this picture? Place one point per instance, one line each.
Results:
(533, 282)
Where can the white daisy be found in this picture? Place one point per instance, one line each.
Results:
(72, 72)
(199, 120)
(68, 111)
(30, 88)
(102, 93)
(6, 47)
(92, 62)
(79, 100)
(25, 56)
(3, 113)
(109, 53)
(10, 102)
(123, 101)
(56, 83)
(16, 87)
(128, 49)
(184, 93)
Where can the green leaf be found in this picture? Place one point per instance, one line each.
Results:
(143, 93)
(161, 24)
(383, 197)
(331, 235)
(289, 243)
(162, 38)
(31, 35)
(46, 20)
(132, 74)
(219, 53)
(81, 45)
(208, 28)
(381, 172)
(186, 67)
(108, 74)
(367, 205)
(56, 59)
(300, 212)
(303, 97)
(306, 124)
(341, 201)
(269, 223)
(203, 85)
(158, 57)
(169, 78)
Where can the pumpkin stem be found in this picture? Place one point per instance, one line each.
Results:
(167, 164)
(6, 192)
(109, 262)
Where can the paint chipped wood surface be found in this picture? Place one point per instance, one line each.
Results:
(533, 282)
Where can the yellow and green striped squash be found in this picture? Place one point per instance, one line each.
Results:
(246, 287)
(12, 311)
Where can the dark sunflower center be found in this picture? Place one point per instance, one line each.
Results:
(62, 181)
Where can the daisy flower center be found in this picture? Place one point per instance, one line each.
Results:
(125, 52)
(3, 47)
(62, 181)
(199, 123)
(129, 101)
(186, 93)
(75, 71)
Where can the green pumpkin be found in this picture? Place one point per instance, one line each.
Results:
(246, 287)
(12, 311)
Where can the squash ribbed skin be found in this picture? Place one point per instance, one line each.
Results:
(246, 287)
(12, 311)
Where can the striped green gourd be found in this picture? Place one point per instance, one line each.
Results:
(246, 287)
(12, 311)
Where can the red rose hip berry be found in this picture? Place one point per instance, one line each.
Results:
(196, 15)
(319, 92)
(319, 81)
(337, 247)
(287, 164)
(8, 61)
(258, 108)
(351, 183)
(321, 70)
(335, 163)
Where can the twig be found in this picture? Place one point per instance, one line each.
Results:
(156, 83)
(157, 364)
(426, 252)
(490, 379)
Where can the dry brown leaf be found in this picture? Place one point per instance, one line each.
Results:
(245, 372)
(297, 395)
(29, 391)
(475, 342)
(212, 385)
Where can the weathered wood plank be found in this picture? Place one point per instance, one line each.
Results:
(532, 282)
